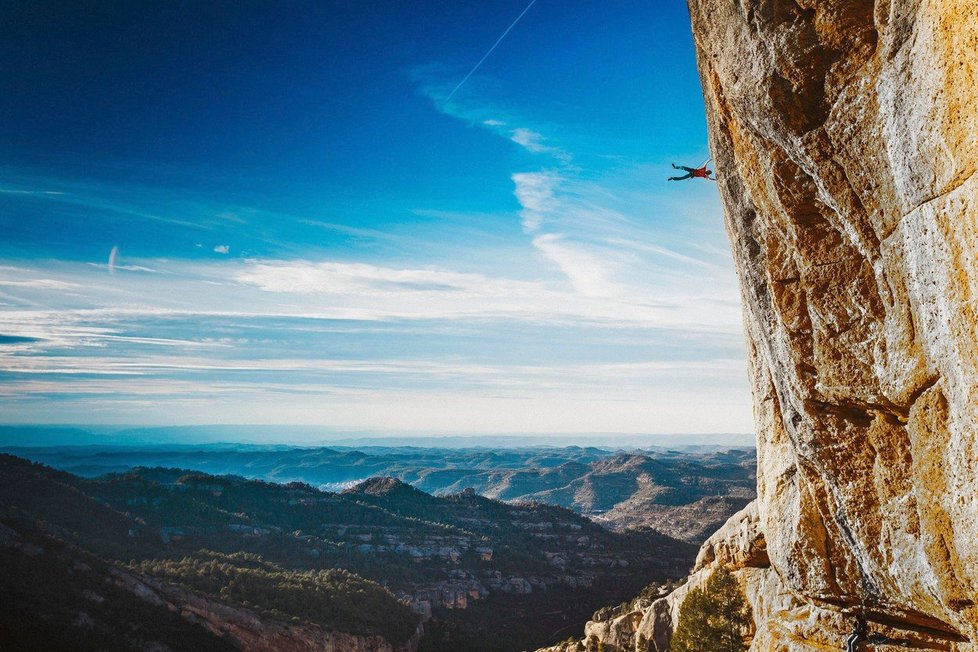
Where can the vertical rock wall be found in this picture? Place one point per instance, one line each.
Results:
(845, 134)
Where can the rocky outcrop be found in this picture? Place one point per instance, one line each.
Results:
(647, 627)
(780, 615)
(846, 139)
(738, 544)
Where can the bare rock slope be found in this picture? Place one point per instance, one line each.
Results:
(845, 133)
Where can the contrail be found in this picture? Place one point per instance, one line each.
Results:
(486, 55)
(112, 256)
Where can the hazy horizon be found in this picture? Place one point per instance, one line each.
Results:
(14, 436)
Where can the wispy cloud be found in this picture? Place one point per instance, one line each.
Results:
(356, 232)
(38, 283)
(663, 252)
(103, 198)
(588, 268)
(338, 290)
(535, 193)
(18, 191)
(586, 227)
(332, 278)
(534, 142)
(529, 139)
(589, 275)
(255, 340)
(126, 362)
(497, 120)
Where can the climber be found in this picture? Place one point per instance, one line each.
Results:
(699, 173)
(858, 634)
(879, 639)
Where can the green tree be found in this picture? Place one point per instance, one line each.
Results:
(713, 618)
(643, 644)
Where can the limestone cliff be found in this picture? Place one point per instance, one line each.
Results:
(845, 133)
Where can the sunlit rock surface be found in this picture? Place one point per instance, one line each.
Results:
(845, 134)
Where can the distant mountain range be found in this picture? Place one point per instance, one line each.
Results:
(685, 494)
(155, 558)
(308, 436)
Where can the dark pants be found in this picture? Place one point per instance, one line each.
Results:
(682, 167)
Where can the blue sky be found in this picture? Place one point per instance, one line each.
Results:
(275, 214)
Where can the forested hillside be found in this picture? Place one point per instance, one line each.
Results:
(374, 560)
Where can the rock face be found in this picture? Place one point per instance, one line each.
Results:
(643, 627)
(845, 133)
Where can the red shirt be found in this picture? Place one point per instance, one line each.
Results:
(702, 173)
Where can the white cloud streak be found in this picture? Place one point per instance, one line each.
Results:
(113, 255)
(533, 142)
(109, 345)
(664, 252)
(535, 191)
(589, 275)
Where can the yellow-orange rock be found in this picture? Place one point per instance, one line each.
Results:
(845, 133)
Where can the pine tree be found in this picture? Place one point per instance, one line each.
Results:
(643, 644)
(713, 618)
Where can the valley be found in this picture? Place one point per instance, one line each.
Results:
(380, 559)
(685, 493)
